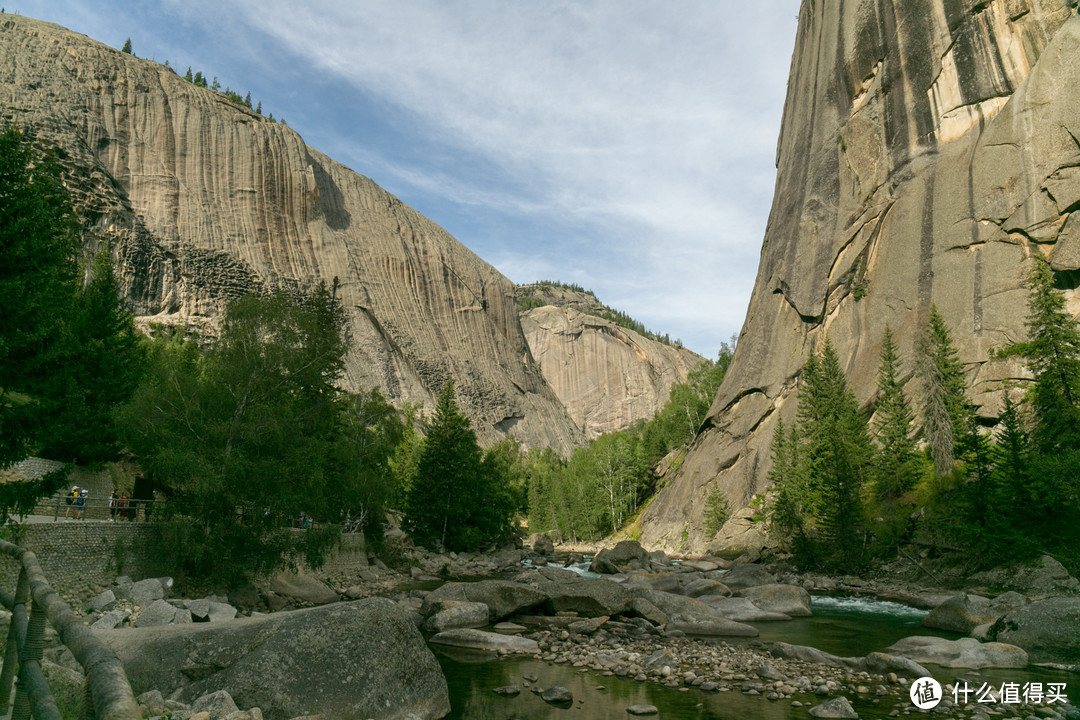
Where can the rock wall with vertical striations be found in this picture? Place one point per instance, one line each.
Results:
(201, 201)
(608, 377)
(928, 149)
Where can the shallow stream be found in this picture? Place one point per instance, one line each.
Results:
(843, 626)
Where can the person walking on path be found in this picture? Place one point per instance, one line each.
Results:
(114, 501)
(70, 499)
(80, 504)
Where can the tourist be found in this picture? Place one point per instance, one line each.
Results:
(80, 504)
(114, 500)
(70, 499)
(124, 506)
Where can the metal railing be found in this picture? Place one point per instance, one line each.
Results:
(107, 693)
(94, 508)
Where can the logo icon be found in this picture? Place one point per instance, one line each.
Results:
(925, 693)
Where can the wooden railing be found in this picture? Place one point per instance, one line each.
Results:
(106, 693)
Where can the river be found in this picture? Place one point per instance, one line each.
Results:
(843, 626)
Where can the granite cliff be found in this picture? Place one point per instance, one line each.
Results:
(201, 201)
(928, 149)
(607, 376)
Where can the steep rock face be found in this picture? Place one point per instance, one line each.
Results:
(929, 148)
(201, 201)
(608, 377)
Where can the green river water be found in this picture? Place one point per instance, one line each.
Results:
(842, 626)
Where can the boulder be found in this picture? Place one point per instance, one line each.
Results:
(542, 545)
(299, 586)
(102, 602)
(642, 709)
(700, 565)
(505, 598)
(558, 696)
(452, 615)
(626, 555)
(787, 599)
(205, 610)
(963, 653)
(356, 659)
(712, 627)
(558, 573)
(671, 604)
(704, 586)
(874, 662)
(156, 613)
(645, 609)
(741, 577)
(837, 707)
(962, 613)
(1048, 629)
(740, 609)
(109, 620)
(657, 581)
(480, 640)
(589, 597)
(145, 592)
(218, 704)
(743, 535)
(1045, 578)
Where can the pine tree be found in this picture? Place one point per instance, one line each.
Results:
(247, 100)
(834, 457)
(127, 47)
(1053, 354)
(39, 241)
(187, 75)
(453, 503)
(895, 466)
(786, 519)
(215, 85)
(258, 108)
(944, 407)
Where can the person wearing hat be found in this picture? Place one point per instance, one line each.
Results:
(70, 498)
(80, 504)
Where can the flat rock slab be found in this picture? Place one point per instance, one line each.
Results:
(303, 587)
(642, 710)
(963, 653)
(509, 628)
(508, 691)
(489, 641)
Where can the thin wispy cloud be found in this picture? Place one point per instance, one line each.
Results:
(625, 143)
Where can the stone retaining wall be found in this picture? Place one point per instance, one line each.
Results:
(80, 559)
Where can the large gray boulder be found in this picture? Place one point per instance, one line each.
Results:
(356, 659)
(741, 577)
(787, 599)
(146, 591)
(962, 613)
(740, 609)
(1048, 629)
(452, 615)
(627, 555)
(589, 597)
(1044, 578)
(963, 653)
(299, 586)
(503, 598)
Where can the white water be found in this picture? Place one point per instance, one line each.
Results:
(866, 606)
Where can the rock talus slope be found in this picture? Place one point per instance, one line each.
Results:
(201, 201)
(607, 376)
(929, 149)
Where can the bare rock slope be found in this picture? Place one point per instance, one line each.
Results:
(607, 376)
(928, 150)
(201, 201)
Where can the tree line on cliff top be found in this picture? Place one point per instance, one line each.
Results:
(848, 488)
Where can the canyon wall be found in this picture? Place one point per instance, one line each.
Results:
(929, 149)
(200, 201)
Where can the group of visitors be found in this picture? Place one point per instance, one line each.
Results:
(118, 505)
(121, 505)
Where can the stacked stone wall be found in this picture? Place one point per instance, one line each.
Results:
(80, 559)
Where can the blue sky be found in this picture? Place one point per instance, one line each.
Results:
(622, 145)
